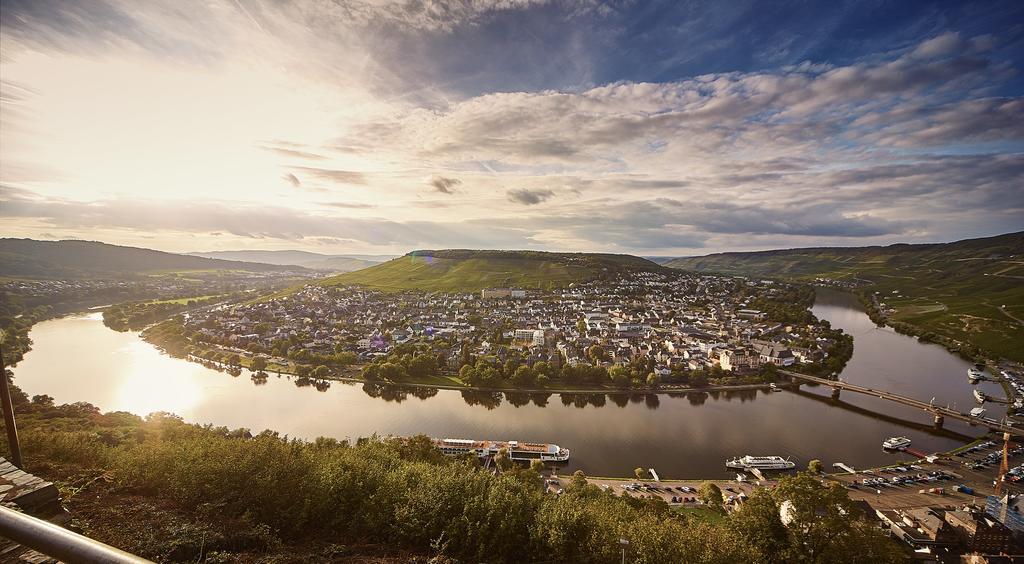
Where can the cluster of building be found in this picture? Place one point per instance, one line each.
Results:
(673, 321)
(936, 530)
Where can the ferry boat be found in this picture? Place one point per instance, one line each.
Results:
(517, 450)
(974, 374)
(977, 412)
(760, 463)
(896, 443)
(980, 396)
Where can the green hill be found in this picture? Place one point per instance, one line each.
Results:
(462, 270)
(969, 291)
(28, 258)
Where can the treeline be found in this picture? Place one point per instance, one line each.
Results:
(269, 496)
(964, 350)
(137, 315)
(410, 364)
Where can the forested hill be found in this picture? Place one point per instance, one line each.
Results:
(868, 262)
(29, 258)
(455, 270)
(969, 291)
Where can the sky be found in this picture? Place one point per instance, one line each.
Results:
(384, 126)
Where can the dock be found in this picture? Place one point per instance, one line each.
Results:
(917, 453)
(843, 466)
(655, 475)
(757, 472)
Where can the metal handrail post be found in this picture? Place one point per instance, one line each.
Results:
(58, 542)
(8, 409)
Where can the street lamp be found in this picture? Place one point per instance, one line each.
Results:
(623, 543)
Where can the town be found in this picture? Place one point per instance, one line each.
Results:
(644, 330)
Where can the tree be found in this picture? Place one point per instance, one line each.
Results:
(542, 381)
(371, 372)
(814, 466)
(619, 375)
(542, 367)
(537, 466)
(640, 473)
(578, 480)
(524, 376)
(502, 460)
(321, 372)
(711, 495)
(581, 326)
(468, 375)
(652, 380)
(758, 525)
(825, 526)
(259, 364)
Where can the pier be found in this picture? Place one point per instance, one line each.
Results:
(655, 475)
(939, 413)
(843, 466)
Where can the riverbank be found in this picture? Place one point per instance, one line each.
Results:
(610, 431)
(450, 382)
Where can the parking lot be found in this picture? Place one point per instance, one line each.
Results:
(674, 492)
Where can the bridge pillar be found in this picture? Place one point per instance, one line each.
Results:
(835, 393)
(939, 420)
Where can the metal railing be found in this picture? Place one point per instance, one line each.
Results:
(58, 542)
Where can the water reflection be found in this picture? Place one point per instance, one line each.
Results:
(680, 434)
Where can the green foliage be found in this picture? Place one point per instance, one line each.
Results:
(711, 495)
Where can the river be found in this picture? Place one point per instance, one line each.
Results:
(76, 358)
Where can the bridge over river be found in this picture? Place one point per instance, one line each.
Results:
(939, 412)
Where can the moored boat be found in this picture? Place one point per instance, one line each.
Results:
(517, 450)
(896, 443)
(980, 396)
(974, 374)
(760, 463)
(977, 412)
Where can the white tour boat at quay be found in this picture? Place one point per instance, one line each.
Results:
(517, 450)
(760, 463)
(896, 443)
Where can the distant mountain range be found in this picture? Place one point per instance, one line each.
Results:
(971, 291)
(463, 270)
(29, 258)
(306, 259)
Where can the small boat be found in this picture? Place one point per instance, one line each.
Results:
(977, 412)
(980, 396)
(760, 463)
(774, 388)
(896, 443)
(974, 374)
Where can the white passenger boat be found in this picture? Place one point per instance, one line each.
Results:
(977, 412)
(980, 396)
(760, 463)
(974, 374)
(517, 450)
(896, 443)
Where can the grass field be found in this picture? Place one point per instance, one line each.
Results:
(968, 291)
